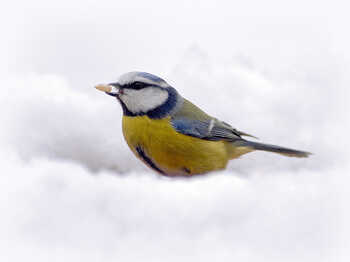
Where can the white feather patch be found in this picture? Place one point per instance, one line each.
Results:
(144, 100)
(211, 125)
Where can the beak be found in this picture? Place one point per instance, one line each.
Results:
(112, 90)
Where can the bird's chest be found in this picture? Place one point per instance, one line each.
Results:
(165, 150)
(150, 134)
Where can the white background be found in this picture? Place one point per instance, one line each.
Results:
(71, 190)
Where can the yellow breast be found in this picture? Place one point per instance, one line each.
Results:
(162, 148)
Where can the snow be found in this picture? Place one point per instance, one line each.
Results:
(71, 190)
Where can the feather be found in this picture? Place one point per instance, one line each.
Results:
(192, 121)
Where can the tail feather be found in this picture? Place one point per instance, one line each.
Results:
(272, 148)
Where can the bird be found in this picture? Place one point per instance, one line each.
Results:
(173, 136)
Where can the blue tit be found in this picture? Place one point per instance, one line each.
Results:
(173, 136)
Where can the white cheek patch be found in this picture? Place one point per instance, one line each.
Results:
(143, 100)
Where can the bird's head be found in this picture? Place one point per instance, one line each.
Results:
(142, 93)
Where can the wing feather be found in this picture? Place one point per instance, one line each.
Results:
(192, 121)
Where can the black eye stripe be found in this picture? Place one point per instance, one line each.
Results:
(137, 85)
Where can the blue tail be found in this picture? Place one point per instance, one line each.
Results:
(272, 148)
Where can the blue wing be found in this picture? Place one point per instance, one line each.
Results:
(190, 127)
(192, 121)
(209, 130)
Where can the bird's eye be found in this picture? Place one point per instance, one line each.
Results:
(138, 85)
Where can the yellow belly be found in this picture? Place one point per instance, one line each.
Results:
(155, 142)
